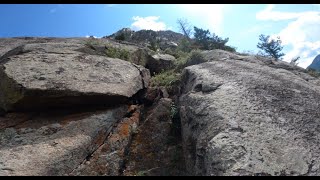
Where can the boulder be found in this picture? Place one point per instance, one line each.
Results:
(247, 118)
(221, 55)
(50, 75)
(52, 143)
(160, 62)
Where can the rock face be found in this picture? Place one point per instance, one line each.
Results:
(220, 55)
(57, 75)
(154, 150)
(109, 159)
(248, 118)
(315, 64)
(72, 106)
(63, 105)
(52, 143)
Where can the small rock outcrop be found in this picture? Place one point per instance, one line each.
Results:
(164, 39)
(160, 62)
(248, 118)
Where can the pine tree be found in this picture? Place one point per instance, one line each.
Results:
(271, 48)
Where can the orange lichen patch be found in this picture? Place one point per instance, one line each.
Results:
(120, 133)
(110, 155)
(124, 129)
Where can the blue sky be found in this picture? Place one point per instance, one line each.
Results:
(297, 25)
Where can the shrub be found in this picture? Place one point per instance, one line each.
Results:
(193, 58)
(120, 37)
(313, 72)
(176, 53)
(185, 45)
(92, 42)
(294, 61)
(165, 78)
(229, 48)
(117, 53)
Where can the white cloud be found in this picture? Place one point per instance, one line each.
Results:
(269, 14)
(302, 33)
(210, 14)
(87, 36)
(148, 23)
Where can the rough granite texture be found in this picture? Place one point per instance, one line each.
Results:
(160, 62)
(109, 158)
(56, 75)
(53, 143)
(247, 118)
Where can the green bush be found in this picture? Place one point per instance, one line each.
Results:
(165, 78)
(192, 58)
(117, 53)
(120, 37)
(176, 53)
(195, 58)
(185, 45)
(229, 48)
(92, 42)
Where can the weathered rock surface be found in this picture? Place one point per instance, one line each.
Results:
(109, 159)
(56, 75)
(160, 62)
(220, 55)
(52, 143)
(247, 118)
